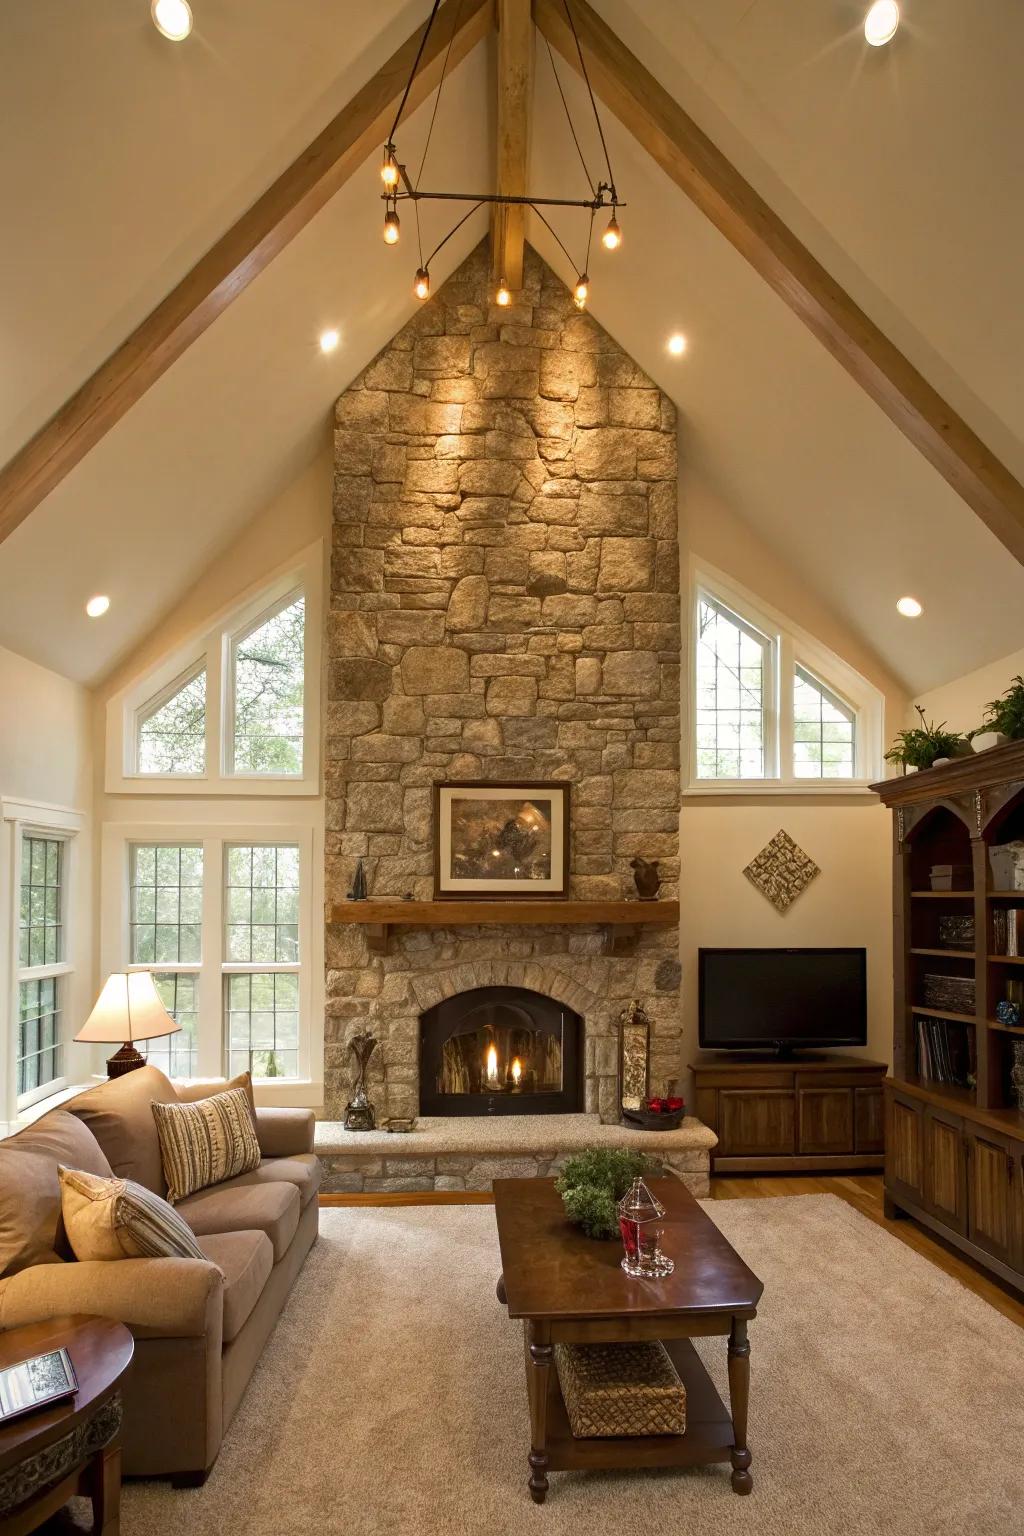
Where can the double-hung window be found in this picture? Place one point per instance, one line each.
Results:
(42, 966)
(224, 923)
(772, 709)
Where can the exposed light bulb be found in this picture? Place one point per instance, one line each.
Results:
(503, 296)
(392, 227)
(421, 287)
(582, 291)
(677, 344)
(172, 19)
(389, 170)
(97, 606)
(881, 22)
(909, 607)
(612, 237)
(329, 340)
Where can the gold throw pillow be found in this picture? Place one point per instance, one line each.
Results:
(205, 1142)
(109, 1219)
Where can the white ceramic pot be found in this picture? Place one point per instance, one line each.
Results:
(986, 739)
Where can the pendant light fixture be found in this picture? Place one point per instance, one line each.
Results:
(398, 186)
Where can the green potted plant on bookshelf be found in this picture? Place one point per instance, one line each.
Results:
(919, 746)
(1004, 719)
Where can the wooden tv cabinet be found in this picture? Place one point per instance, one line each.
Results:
(807, 1114)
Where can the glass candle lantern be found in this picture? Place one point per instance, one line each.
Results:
(640, 1216)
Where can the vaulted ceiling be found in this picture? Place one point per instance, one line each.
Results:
(897, 167)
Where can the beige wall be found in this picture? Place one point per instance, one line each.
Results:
(45, 742)
(961, 703)
(848, 837)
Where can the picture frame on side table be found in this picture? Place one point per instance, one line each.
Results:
(501, 842)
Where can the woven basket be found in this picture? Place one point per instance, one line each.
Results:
(620, 1389)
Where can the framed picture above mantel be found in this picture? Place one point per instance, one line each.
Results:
(501, 841)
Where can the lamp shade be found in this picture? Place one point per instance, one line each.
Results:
(128, 1009)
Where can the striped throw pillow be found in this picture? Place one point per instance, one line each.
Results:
(119, 1219)
(203, 1143)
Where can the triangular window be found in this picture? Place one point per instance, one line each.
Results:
(171, 729)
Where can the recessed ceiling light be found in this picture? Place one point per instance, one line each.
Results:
(329, 340)
(677, 345)
(97, 606)
(881, 22)
(172, 19)
(909, 607)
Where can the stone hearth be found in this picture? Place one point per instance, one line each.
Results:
(504, 607)
(460, 1154)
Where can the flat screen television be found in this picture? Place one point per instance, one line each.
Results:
(782, 1000)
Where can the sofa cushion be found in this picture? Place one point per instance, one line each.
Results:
(31, 1226)
(120, 1116)
(245, 1259)
(270, 1208)
(303, 1170)
(204, 1143)
(109, 1219)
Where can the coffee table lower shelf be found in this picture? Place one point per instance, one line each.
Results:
(709, 1432)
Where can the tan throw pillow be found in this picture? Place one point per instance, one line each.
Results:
(109, 1219)
(206, 1142)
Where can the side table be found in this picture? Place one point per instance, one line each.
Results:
(73, 1448)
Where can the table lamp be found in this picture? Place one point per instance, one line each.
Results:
(128, 1009)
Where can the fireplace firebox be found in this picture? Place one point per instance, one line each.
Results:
(500, 1051)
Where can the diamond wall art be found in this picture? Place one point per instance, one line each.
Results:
(781, 871)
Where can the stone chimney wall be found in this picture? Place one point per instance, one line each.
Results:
(504, 605)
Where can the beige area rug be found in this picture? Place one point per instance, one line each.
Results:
(391, 1399)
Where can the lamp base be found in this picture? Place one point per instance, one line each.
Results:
(124, 1060)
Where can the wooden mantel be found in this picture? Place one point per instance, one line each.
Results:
(620, 920)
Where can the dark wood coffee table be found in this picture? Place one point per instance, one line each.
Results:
(570, 1289)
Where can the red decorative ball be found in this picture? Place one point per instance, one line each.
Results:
(656, 1105)
(673, 1105)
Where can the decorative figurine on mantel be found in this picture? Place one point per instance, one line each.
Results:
(360, 1114)
(645, 873)
(358, 891)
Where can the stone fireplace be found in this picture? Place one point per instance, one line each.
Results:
(504, 606)
(500, 1051)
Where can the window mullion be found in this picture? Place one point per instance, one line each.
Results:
(210, 1052)
(784, 697)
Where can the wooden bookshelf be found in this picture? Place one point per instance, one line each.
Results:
(955, 1152)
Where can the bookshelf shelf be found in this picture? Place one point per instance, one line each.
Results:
(942, 895)
(945, 954)
(943, 1013)
(1005, 896)
(1006, 1029)
(1006, 959)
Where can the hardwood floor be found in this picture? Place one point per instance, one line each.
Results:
(862, 1191)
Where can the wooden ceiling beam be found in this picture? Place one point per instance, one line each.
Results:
(515, 84)
(238, 257)
(691, 160)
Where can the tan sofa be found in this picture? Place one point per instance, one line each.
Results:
(200, 1326)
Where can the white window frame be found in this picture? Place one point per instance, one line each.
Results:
(763, 637)
(248, 621)
(212, 648)
(790, 646)
(211, 1041)
(23, 819)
